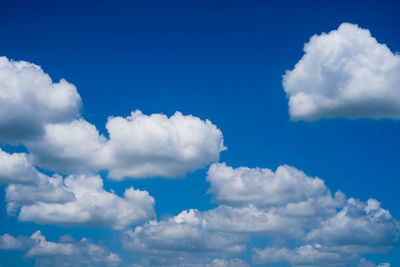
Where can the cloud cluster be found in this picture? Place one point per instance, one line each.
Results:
(44, 116)
(344, 73)
(282, 205)
(67, 252)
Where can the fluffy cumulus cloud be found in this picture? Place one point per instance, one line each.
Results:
(181, 235)
(29, 99)
(139, 146)
(67, 252)
(74, 146)
(155, 145)
(90, 204)
(263, 187)
(76, 199)
(16, 168)
(359, 227)
(286, 206)
(344, 73)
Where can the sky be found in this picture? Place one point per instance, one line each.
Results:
(199, 133)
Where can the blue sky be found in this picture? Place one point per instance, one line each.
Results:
(216, 60)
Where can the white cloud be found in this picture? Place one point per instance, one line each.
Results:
(27, 185)
(43, 116)
(345, 73)
(16, 168)
(29, 99)
(181, 236)
(359, 227)
(70, 253)
(77, 199)
(365, 263)
(139, 146)
(310, 255)
(155, 145)
(8, 242)
(74, 146)
(285, 206)
(303, 256)
(91, 204)
(45, 189)
(265, 188)
(228, 263)
(190, 261)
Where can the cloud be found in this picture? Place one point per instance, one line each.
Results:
(365, 263)
(265, 188)
(65, 253)
(91, 204)
(181, 235)
(285, 207)
(191, 262)
(8, 242)
(309, 255)
(359, 227)
(45, 189)
(77, 199)
(29, 99)
(155, 145)
(16, 168)
(345, 73)
(304, 255)
(44, 116)
(139, 146)
(73, 146)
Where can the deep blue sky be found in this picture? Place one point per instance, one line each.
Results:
(221, 60)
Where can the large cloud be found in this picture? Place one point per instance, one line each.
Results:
(263, 187)
(156, 145)
(67, 252)
(138, 146)
(29, 99)
(286, 207)
(345, 73)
